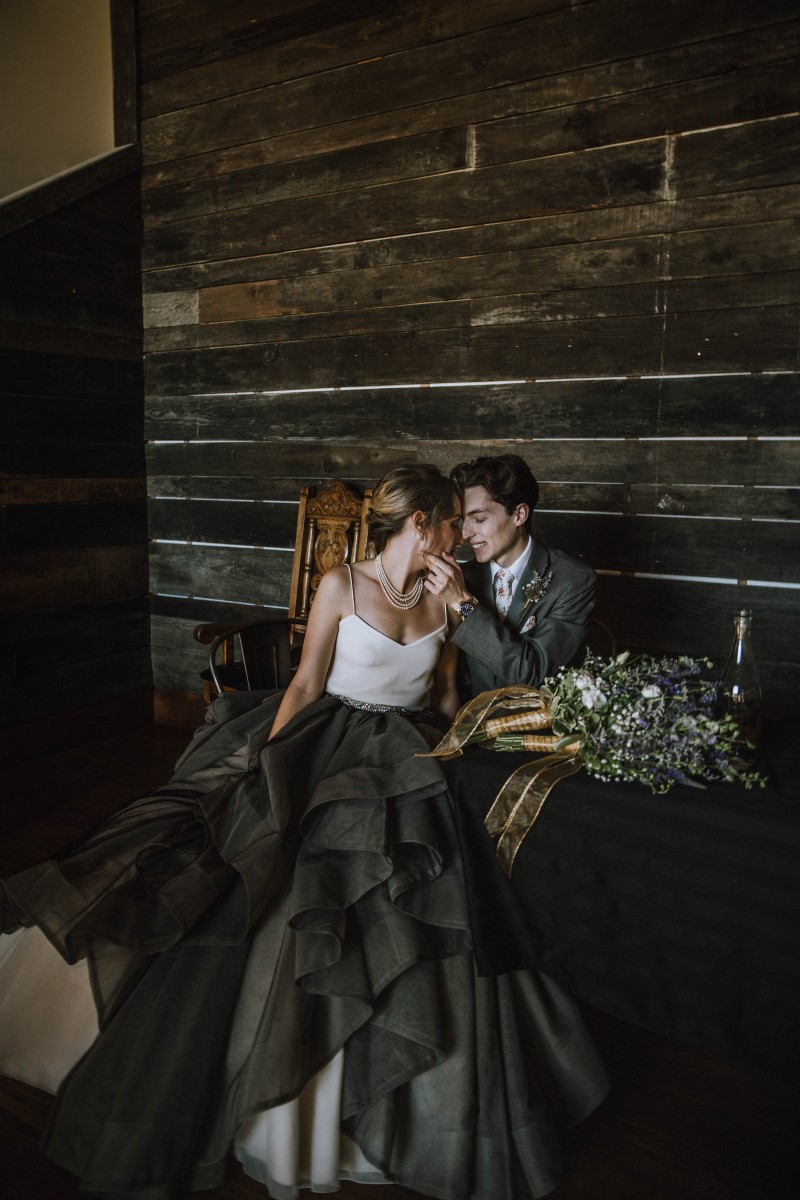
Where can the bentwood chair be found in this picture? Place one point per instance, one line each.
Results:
(253, 655)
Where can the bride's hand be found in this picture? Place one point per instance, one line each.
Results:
(445, 578)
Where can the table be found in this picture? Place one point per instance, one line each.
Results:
(679, 913)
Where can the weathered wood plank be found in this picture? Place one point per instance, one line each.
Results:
(176, 657)
(124, 50)
(690, 500)
(221, 487)
(32, 419)
(54, 194)
(106, 309)
(731, 340)
(671, 616)
(568, 281)
(627, 345)
(37, 460)
(755, 154)
(243, 25)
(546, 269)
(464, 65)
(724, 406)
(347, 39)
(607, 177)
(69, 341)
(30, 268)
(201, 611)
(299, 462)
(273, 523)
(32, 374)
(28, 489)
(769, 90)
(721, 406)
(745, 249)
(63, 578)
(553, 91)
(231, 575)
(780, 289)
(601, 225)
(379, 162)
(718, 548)
(404, 318)
(735, 340)
(233, 523)
(27, 528)
(442, 68)
(101, 678)
(666, 463)
(108, 221)
(77, 635)
(736, 462)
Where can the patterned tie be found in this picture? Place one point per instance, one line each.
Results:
(502, 592)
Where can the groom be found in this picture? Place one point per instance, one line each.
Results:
(523, 607)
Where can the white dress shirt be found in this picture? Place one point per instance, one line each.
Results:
(516, 568)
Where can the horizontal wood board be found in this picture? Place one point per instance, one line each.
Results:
(73, 518)
(354, 214)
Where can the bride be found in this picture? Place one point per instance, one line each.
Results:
(273, 951)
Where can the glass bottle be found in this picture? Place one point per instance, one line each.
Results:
(739, 690)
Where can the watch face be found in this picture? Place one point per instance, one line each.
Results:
(465, 608)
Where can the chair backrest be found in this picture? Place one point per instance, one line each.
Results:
(331, 530)
(264, 651)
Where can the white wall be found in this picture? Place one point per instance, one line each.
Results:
(56, 88)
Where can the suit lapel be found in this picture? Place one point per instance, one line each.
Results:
(538, 561)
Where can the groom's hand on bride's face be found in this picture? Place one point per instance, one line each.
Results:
(445, 578)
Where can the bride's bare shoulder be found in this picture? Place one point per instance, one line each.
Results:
(365, 568)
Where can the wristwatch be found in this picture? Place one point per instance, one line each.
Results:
(466, 607)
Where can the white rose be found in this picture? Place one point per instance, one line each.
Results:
(651, 692)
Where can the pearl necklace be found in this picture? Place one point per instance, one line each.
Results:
(399, 599)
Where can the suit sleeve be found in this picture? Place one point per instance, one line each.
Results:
(528, 658)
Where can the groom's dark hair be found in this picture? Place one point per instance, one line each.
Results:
(506, 477)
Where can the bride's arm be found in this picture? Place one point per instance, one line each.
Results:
(444, 690)
(330, 604)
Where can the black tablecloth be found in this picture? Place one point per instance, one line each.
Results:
(680, 913)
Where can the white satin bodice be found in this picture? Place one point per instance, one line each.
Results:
(371, 667)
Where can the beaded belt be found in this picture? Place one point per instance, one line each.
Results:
(377, 708)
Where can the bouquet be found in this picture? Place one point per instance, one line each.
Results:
(640, 720)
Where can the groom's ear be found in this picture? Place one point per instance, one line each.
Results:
(520, 514)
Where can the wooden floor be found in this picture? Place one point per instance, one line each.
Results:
(680, 1124)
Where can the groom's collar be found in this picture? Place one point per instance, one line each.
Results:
(519, 564)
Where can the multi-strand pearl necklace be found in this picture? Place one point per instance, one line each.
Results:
(397, 598)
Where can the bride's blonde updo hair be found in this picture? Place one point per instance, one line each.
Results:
(405, 490)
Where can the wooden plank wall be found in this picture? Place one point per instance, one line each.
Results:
(377, 232)
(73, 513)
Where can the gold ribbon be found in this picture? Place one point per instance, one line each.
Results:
(522, 796)
(472, 715)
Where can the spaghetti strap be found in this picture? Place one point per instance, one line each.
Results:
(352, 589)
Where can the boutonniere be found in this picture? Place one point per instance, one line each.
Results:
(535, 588)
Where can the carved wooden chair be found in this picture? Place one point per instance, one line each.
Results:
(331, 530)
(252, 655)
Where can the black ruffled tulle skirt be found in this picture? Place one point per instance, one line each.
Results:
(275, 904)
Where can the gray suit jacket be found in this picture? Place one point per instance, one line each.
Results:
(496, 654)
